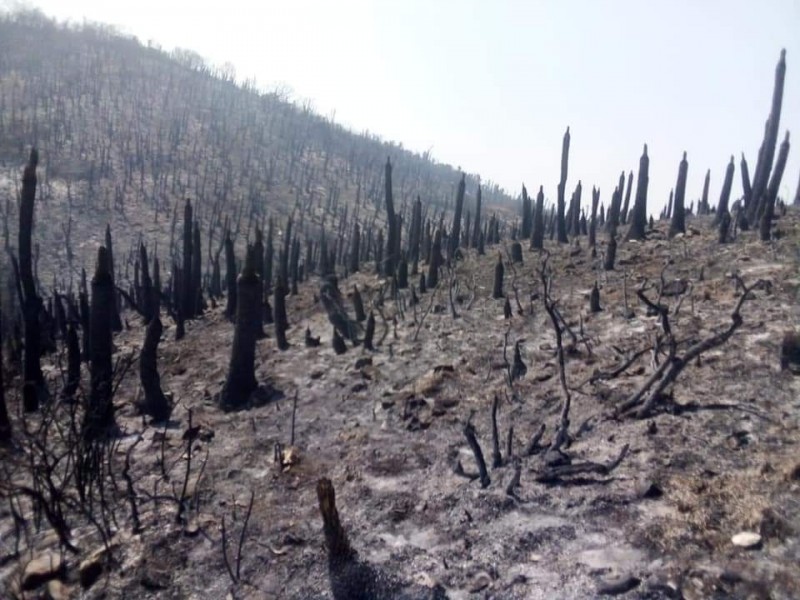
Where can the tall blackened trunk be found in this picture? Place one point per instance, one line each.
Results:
(99, 417)
(5, 422)
(415, 235)
(241, 380)
(764, 165)
(613, 221)
(455, 231)
(281, 321)
(639, 215)
(116, 321)
(771, 195)
(147, 294)
(704, 208)
(35, 389)
(435, 260)
(527, 215)
(593, 221)
(390, 259)
(156, 404)
(625, 214)
(187, 299)
(230, 276)
(197, 272)
(476, 227)
(678, 223)
(355, 249)
(561, 224)
(725, 194)
(499, 272)
(537, 235)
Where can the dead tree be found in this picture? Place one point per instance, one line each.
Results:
(476, 227)
(766, 154)
(99, 417)
(499, 272)
(435, 261)
(678, 223)
(645, 400)
(768, 212)
(5, 422)
(187, 300)
(116, 321)
(725, 194)
(537, 235)
(241, 381)
(561, 223)
(636, 231)
(594, 299)
(230, 276)
(35, 388)
(455, 230)
(281, 322)
(156, 404)
(391, 223)
(358, 305)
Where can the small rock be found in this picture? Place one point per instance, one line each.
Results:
(41, 570)
(613, 586)
(650, 490)
(747, 539)
(56, 591)
(363, 362)
(480, 582)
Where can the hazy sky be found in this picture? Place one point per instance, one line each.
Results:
(491, 85)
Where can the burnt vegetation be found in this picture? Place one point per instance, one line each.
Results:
(191, 253)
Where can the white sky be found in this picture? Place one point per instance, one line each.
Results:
(491, 85)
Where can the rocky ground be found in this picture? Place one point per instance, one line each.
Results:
(719, 459)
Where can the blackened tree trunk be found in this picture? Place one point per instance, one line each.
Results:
(391, 223)
(358, 305)
(639, 216)
(771, 195)
(147, 295)
(527, 215)
(99, 417)
(5, 422)
(725, 194)
(156, 404)
(83, 304)
(764, 165)
(624, 215)
(613, 221)
(116, 321)
(435, 260)
(537, 235)
(35, 389)
(476, 227)
(241, 380)
(415, 236)
(703, 209)
(197, 272)
(187, 300)
(73, 362)
(355, 249)
(281, 321)
(269, 258)
(747, 189)
(678, 223)
(499, 272)
(230, 276)
(561, 224)
(593, 221)
(575, 211)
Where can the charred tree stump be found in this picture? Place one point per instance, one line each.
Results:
(241, 382)
(156, 404)
(499, 272)
(230, 277)
(369, 332)
(281, 322)
(516, 253)
(5, 422)
(455, 230)
(390, 260)
(188, 298)
(435, 261)
(594, 299)
(358, 305)
(561, 223)
(339, 347)
(476, 226)
(472, 440)
(537, 235)
(73, 363)
(724, 196)
(636, 231)
(35, 389)
(768, 213)
(99, 417)
(678, 223)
